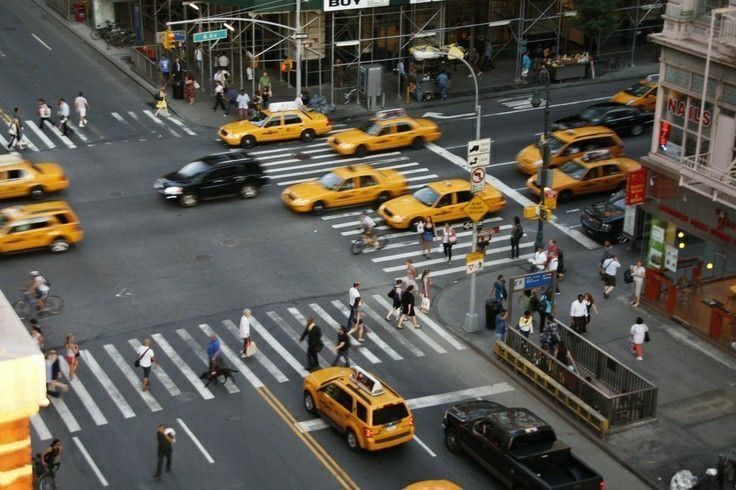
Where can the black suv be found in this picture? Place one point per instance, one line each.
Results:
(618, 117)
(223, 174)
(604, 220)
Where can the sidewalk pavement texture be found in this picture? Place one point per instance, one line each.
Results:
(696, 406)
(499, 81)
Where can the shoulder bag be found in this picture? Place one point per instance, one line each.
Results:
(137, 362)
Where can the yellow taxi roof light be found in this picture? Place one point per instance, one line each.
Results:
(390, 114)
(366, 381)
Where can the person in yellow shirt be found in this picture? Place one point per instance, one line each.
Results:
(526, 324)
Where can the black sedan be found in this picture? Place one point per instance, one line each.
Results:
(619, 117)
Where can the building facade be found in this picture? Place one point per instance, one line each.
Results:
(690, 213)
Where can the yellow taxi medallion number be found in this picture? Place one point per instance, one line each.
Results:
(476, 208)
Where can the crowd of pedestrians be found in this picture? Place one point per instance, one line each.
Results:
(16, 125)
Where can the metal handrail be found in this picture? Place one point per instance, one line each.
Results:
(699, 165)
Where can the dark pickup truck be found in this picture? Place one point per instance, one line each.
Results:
(517, 447)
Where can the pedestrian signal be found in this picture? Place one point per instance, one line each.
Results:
(169, 40)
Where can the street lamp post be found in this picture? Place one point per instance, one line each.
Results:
(471, 317)
(542, 177)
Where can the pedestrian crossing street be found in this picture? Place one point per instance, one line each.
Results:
(142, 125)
(107, 387)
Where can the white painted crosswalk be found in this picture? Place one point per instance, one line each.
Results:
(518, 103)
(107, 387)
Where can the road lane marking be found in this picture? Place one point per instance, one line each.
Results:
(90, 461)
(66, 415)
(183, 367)
(195, 441)
(488, 263)
(130, 375)
(42, 431)
(573, 210)
(380, 320)
(562, 104)
(266, 152)
(417, 331)
(347, 215)
(275, 345)
(159, 372)
(160, 122)
(424, 446)
(41, 41)
(134, 116)
(293, 154)
(369, 332)
(78, 131)
(342, 477)
(24, 140)
(47, 141)
(260, 357)
(86, 399)
(107, 384)
(426, 402)
(181, 125)
(291, 333)
(235, 359)
(204, 357)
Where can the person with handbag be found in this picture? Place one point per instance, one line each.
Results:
(638, 272)
(407, 308)
(610, 267)
(449, 238)
(161, 104)
(395, 295)
(190, 87)
(426, 304)
(526, 324)
(499, 289)
(244, 331)
(313, 334)
(356, 324)
(145, 360)
(639, 334)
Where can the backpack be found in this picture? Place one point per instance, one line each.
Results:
(392, 294)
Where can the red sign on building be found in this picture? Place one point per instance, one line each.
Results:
(636, 187)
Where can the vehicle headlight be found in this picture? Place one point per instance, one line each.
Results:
(301, 202)
(605, 227)
(397, 218)
(174, 191)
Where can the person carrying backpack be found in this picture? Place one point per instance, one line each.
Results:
(517, 231)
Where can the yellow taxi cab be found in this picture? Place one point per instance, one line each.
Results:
(390, 129)
(643, 94)
(282, 121)
(566, 144)
(433, 485)
(371, 415)
(345, 186)
(444, 200)
(591, 173)
(19, 177)
(50, 224)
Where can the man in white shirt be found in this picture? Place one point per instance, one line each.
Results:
(81, 105)
(578, 314)
(145, 361)
(199, 57)
(610, 268)
(353, 294)
(638, 337)
(243, 100)
(540, 259)
(63, 116)
(553, 265)
(244, 331)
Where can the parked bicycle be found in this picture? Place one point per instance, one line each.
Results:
(377, 242)
(26, 308)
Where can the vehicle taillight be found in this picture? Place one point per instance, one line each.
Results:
(329, 121)
(367, 432)
(411, 421)
(602, 485)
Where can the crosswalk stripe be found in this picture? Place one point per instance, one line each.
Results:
(65, 139)
(235, 360)
(134, 116)
(390, 236)
(313, 168)
(417, 331)
(301, 319)
(290, 158)
(370, 333)
(107, 384)
(47, 141)
(127, 371)
(393, 331)
(413, 243)
(352, 223)
(181, 125)
(293, 153)
(87, 400)
(489, 263)
(291, 333)
(275, 345)
(327, 169)
(158, 121)
(265, 152)
(260, 357)
(342, 163)
(4, 141)
(77, 131)
(29, 143)
(422, 177)
(66, 415)
(42, 431)
(449, 338)
(346, 215)
(334, 324)
(202, 355)
(159, 372)
(183, 367)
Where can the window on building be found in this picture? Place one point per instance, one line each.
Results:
(676, 76)
(679, 122)
(696, 84)
(729, 94)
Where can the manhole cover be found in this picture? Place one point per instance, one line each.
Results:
(228, 243)
(301, 156)
(232, 418)
(203, 258)
(114, 194)
(185, 397)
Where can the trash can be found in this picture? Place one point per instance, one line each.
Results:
(178, 88)
(493, 308)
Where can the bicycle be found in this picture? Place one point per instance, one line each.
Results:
(26, 307)
(358, 245)
(44, 477)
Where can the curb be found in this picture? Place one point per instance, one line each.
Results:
(550, 404)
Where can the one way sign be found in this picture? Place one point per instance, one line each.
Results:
(479, 152)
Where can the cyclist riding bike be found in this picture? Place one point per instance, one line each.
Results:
(37, 289)
(367, 226)
(50, 457)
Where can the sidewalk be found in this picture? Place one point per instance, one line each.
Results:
(696, 412)
(491, 83)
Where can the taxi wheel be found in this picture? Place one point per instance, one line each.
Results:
(636, 130)
(307, 135)
(417, 143)
(452, 441)
(309, 403)
(36, 192)
(188, 200)
(248, 191)
(318, 208)
(248, 141)
(352, 440)
(59, 245)
(565, 196)
(361, 151)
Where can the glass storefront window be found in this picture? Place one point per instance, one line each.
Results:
(691, 144)
(693, 116)
(676, 76)
(671, 142)
(674, 107)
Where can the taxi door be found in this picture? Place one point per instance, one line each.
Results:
(404, 134)
(293, 126)
(445, 208)
(369, 188)
(25, 235)
(272, 129)
(336, 404)
(590, 182)
(348, 193)
(385, 139)
(610, 177)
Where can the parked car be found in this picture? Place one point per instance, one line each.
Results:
(604, 220)
(219, 175)
(520, 449)
(621, 118)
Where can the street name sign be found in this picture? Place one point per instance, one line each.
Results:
(474, 262)
(200, 37)
(534, 280)
(476, 208)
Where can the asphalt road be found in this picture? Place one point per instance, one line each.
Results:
(149, 269)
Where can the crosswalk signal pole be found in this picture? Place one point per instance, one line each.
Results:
(542, 177)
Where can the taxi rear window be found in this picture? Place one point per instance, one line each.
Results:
(390, 414)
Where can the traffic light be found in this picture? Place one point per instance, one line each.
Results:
(287, 65)
(169, 40)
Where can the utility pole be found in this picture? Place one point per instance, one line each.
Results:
(298, 41)
(543, 171)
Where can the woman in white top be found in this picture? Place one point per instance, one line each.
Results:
(448, 240)
(638, 272)
(244, 331)
(638, 332)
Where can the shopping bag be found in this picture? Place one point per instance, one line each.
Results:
(251, 349)
(425, 303)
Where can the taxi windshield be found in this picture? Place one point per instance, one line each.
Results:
(370, 128)
(330, 181)
(555, 145)
(638, 89)
(574, 170)
(390, 414)
(593, 114)
(426, 196)
(191, 169)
